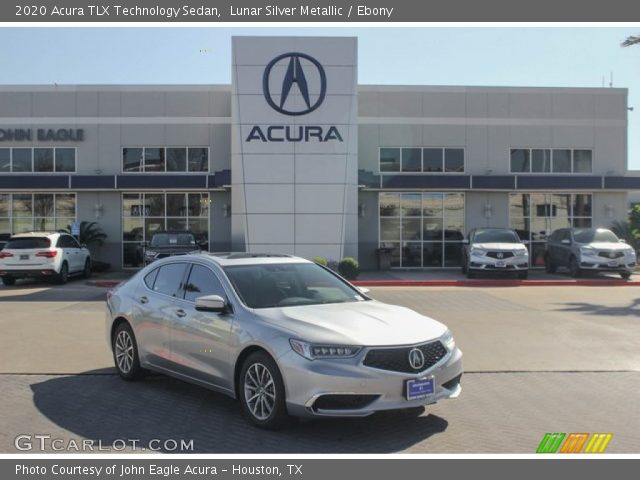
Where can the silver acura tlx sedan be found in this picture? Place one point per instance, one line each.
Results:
(283, 335)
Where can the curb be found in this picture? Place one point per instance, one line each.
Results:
(496, 283)
(105, 283)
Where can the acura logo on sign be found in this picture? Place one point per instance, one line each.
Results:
(307, 83)
(416, 358)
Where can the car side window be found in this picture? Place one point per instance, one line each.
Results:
(73, 243)
(169, 278)
(62, 242)
(150, 278)
(201, 282)
(566, 235)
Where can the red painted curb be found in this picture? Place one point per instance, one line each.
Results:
(496, 283)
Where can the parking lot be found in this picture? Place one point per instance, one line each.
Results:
(537, 360)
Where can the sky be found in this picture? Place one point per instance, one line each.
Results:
(424, 55)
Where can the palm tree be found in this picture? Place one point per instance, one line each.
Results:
(90, 233)
(626, 231)
(632, 40)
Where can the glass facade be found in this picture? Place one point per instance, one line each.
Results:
(547, 160)
(165, 159)
(27, 212)
(145, 213)
(535, 215)
(422, 229)
(39, 159)
(417, 159)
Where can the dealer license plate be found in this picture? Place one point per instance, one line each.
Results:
(418, 388)
(24, 257)
(501, 264)
(613, 264)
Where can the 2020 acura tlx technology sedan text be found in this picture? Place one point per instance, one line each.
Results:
(281, 334)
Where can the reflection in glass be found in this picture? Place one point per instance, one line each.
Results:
(152, 225)
(452, 254)
(390, 229)
(432, 204)
(43, 159)
(519, 205)
(22, 160)
(176, 205)
(389, 159)
(411, 229)
(520, 160)
(154, 159)
(22, 225)
(562, 161)
(411, 204)
(432, 159)
(132, 229)
(541, 161)
(65, 205)
(64, 222)
(454, 160)
(432, 228)
(412, 254)
(176, 159)
(389, 204)
(198, 205)
(198, 159)
(582, 222)
(432, 254)
(131, 204)
(131, 159)
(582, 205)
(22, 205)
(44, 224)
(582, 161)
(5, 160)
(411, 160)
(5, 201)
(65, 159)
(154, 204)
(43, 205)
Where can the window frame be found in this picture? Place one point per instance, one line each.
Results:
(422, 171)
(166, 162)
(10, 211)
(551, 160)
(217, 277)
(33, 161)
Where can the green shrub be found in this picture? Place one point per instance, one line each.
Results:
(349, 268)
(320, 261)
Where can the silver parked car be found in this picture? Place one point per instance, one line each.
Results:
(494, 250)
(283, 335)
(589, 249)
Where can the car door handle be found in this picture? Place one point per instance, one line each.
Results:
(144, 300)
(181, 313)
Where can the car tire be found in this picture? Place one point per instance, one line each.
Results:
(574, 268)
(549, 266)
(125, 353)
(86, 271)
(260, 374)
(8, 281)
(625, 275)
(63, 277)
(523, 275)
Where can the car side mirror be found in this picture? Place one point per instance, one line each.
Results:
(622, 240)
(565, 241)
(211, 303)
(364, 290)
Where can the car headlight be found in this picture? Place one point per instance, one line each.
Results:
(521, 253)
(448, 340)
(587, 251)
(630, 251)
(478, 252)
(312, 351)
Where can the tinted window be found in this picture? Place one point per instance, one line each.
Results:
(150, 278)
(588, 235)
(289, 284)
(26, 243)
(169, 278)
(65, 241)
(201, 282)
(495, 236)
(173, 239)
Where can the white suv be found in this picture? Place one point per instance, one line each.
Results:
(43, 255)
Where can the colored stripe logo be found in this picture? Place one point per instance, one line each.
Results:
(574, 443)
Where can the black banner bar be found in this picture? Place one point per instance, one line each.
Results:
(381, 11)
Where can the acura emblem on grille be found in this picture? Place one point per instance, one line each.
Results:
(500, 255)
(612, 254)
(416, 358)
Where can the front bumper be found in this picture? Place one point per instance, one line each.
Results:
(307, 382)
(27, 272)
(513, 264)
(605, 265)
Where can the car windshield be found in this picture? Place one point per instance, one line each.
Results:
(589, 235)
(289, 284)
(173, 240)
(27, 243)
(495, 236)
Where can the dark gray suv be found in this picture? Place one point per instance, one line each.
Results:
(589, 249)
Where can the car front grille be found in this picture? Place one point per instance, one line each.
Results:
(397, 359)
(498, 255)
(343, 401)
(611, 254)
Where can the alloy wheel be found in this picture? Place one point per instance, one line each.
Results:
(124, 351)
(259, 391)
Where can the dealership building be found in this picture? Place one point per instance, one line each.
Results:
(294, 156)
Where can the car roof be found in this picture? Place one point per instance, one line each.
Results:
(226, 259)
(36, 234)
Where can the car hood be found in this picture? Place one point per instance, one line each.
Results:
(500, 246)
(610, 246)
(368, 323)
